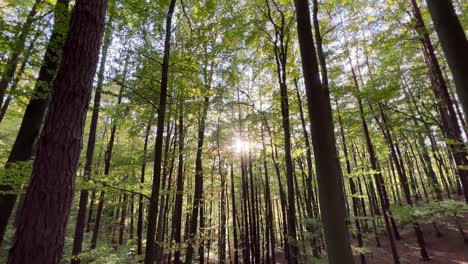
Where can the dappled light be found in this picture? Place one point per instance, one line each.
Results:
(215, 131)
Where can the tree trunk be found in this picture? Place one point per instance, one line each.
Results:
(329, 173)
(81, 217)
(450, 126)
(177, 215)
(34, 113)
(142, 181)
(198, 192)
(41, 231)
(107, 165)
(154, 200)
(454, 44)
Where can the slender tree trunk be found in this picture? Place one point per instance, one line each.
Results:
(177, 215)
(222, 228)
(329, 173)
(142, 181)
(352, 186)
(234, 218)
(41, 231)
(154, 201)
(107, 165)
(198, 192)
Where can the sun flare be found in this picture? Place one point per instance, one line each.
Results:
(241, 145)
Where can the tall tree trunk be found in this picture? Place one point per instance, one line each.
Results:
(107, 166)
(198, 192)
(352, 186)
(454, 44)
(177, 215)
(142, 181)
(403, 180)
(329, 173)
(234, 217)
(34, 113)
(450, 126)
(311, 203)
(41, 231)
(222, 228)
(88, 168)
(154, 200)
(123, 216)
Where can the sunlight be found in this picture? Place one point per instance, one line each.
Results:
(241, 145)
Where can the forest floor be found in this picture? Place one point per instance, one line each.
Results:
(448, 249)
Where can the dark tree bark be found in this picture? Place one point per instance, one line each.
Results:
(352, 185)
(142, 181)
(269, 227)
(280, 45)
(154, 201)
(222, 228)
(34, 113)
(454, 44)
(234, 217)
(107, 166)
(41, 231)
(311, 203)
(329, 173)
(177, 215)
(162, 202)
(81, 217)
(379, 181)
(123, 216)
(198, 192)
(386, 130)
(450, 126)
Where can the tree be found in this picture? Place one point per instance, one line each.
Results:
(329, 173)
(49, 195)
(154, 201)
(83, 202)
(35, 110)
(454, 44)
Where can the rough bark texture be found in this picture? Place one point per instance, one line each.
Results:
(41, 231)
(329, 173)
(81, 217)
(34, 114)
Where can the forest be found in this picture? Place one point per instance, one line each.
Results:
(214, 131)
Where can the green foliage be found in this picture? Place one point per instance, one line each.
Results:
(428, 212)
(16, 175)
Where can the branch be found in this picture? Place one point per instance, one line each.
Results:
(121, 189)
